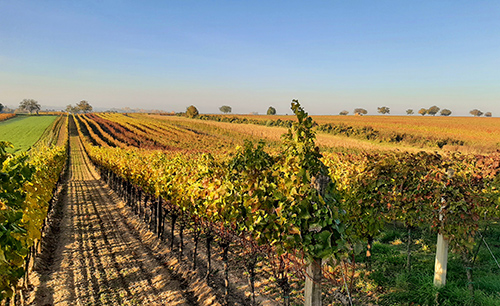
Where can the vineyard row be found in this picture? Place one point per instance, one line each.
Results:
(299, 204)
(28, 181)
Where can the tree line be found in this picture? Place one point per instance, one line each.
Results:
(33, 106)
(192, 111)
(433, 110)
(26, 105)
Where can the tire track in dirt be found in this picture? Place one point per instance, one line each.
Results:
(99, 260)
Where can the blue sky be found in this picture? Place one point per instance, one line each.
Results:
(331, 55)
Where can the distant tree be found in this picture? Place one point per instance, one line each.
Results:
(383, 110)
(192, 112)
(360, 111)
(476, 113)
(433, 110)
(225, 109)
(487, 114)
(445, 112)
(343, 113)
(409, 111)
(6, 109)
(29, 105)
(271, 110)
(254, 113)
(72, 109)
(1, 107)
(422, 111)
(84, 106)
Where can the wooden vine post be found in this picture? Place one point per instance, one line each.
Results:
(314, 201)
(441, 263)
(314, 274)
(159, 217)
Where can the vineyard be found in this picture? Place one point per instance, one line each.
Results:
(28, 183)
(476, 135)
(268, 223)
(289, 206)
(6, 116)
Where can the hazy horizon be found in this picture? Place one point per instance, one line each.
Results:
(331, 56)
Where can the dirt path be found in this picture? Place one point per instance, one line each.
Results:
(97, 258)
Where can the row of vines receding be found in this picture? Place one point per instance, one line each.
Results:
(27, 184)
(298, 207)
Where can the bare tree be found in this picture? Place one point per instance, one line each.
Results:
(29, 105)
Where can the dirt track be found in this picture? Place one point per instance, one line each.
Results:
(98, 258)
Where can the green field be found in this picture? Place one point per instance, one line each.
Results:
(24, 131)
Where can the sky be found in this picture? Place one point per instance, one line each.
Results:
(330, 55)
